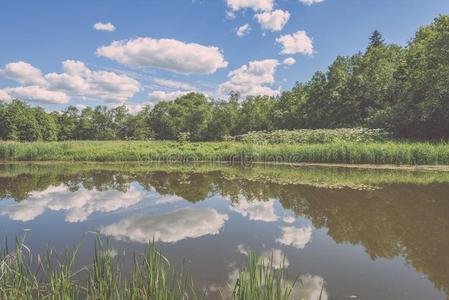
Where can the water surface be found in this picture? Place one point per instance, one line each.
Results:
(353, 233)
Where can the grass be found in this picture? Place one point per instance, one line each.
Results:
(389, 152)
(24, 275)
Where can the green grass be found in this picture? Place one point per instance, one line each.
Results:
(335, 152)
(24, 275)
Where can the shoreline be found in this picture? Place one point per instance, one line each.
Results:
(401, 167)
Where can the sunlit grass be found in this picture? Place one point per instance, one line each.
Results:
(411, 153)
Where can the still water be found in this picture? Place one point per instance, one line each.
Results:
(353, 234)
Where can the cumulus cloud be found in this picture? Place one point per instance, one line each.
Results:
(243, 30)
(24, 73)
(298, 42)
(4, 96)
(296, 237)
(167, 54)
(79, 205)
(157, 96)
(34, 93)
(289, 61)
(104, 26)
(273, 20)
(256, 210)
(257, 5)
(254, 78)
(173, 84)
(170, 227)
(310, 2)
(76, 80)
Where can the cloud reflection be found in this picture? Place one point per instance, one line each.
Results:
(255, 210)
(79, 205)
(296, 237)
(170, 227)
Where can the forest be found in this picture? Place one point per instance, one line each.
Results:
(402, 90)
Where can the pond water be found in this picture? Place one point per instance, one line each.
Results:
(353, 234)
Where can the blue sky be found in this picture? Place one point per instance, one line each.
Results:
(51, 53)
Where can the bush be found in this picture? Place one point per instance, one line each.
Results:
(314, 136)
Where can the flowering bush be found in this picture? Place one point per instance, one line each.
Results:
(314, 136)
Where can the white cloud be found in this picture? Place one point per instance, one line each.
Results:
(167, 54)
(4, 96)
(289, 219)
(77, 80)
(35, 93)
(254, 78)
(289, 61)
(256, 210)
(243, 30)
(135, 108)
(298, 42)
(79, 205)
(311, 288)
(170, 227)
(273, 20)
(257, 5)
(173, 84)
(157, 96)
(23, 72)
(104, 26)
(296, 237)
(310, 2)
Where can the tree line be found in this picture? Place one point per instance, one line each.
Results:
(404, 90)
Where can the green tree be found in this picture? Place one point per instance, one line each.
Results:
(423, 84)
(47, 124)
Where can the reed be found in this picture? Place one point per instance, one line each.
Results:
(390, 152)
(24, 275)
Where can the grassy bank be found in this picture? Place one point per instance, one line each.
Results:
(24, 275)
(335, 152)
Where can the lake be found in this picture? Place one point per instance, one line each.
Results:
(347, 233)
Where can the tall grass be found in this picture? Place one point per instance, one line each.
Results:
(410, 153)
(27, 276)
(262, 281)
(24, 275)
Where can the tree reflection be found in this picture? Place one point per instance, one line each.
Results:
(408, 220)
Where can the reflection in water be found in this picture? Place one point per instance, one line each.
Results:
(255, 210)
(307, 287)
(79, 204)
(275, 257)
(296, 237)
(170, 227)
(310, 288)
(408, 220)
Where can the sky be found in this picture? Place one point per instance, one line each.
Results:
(97, 52)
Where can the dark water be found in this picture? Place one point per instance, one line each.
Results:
(387, 240)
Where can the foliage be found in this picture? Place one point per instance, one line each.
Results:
(313, 136)
(403, 90)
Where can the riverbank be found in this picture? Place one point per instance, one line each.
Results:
(393, 153)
